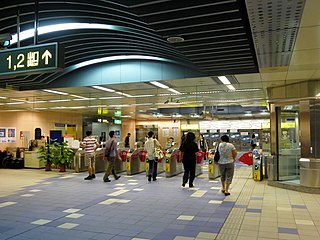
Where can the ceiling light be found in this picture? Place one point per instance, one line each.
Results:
(224, 80)
(84, 99)
(160, 85)
(77, 107)
(60, 100)
(77, 96)
(140, 96)
(33, 102)
(3, 98)
(40, 108)
(126, 116)
(124, 94)
(56, 92)
(174, 91)
(103, 89)
(232, 88)
(58, 107)
(12, 103)
(175, 39)
(107, 98)
(318, 95)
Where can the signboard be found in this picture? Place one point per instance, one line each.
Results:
(117, 121)
(117, 113)
(33, 59)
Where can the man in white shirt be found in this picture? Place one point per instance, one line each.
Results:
(149, 146)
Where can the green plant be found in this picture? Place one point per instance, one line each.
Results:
(56, 153)
(45, 154)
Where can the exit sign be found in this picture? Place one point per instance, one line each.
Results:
(31, 60)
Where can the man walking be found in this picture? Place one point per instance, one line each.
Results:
(150, 146)
(111, 155)
(90, 144)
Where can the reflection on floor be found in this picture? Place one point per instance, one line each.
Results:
(64, 206)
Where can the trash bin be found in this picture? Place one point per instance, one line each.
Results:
(310, 172)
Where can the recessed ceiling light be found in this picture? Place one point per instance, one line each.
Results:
(56, 92)
(103, 89)
(175, 39)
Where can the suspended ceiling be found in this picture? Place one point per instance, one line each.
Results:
(257, 44)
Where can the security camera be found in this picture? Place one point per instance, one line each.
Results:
(5, 39)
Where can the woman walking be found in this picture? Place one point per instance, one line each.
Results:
(228, 155)
(189, 149)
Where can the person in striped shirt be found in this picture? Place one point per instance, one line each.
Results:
(90, 144)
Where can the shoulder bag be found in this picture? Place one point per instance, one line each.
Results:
(216, 157)
(158, 154)
(108, 150)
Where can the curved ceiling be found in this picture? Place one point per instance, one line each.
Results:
(217, 35)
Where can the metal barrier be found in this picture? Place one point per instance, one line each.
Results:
(310, 172)
(174, 163)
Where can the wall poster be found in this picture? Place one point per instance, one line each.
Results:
(7, 135)
(175, 131)
(165, 132)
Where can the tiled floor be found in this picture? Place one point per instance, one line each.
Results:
(39, 205)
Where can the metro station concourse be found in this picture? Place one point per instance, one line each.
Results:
(248, 69)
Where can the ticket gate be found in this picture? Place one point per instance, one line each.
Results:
(80, 164)
(257, 166)
(199, 158)
(161, 164)
(174, 163)
(134, 164)
(123, 153)
(213, 168)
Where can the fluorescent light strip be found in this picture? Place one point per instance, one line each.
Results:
(232, 88)
(40, 108)
(60, 100)
(103, 89)
(160, 85)
(3, 98)
(97, 106)
(77, 107)
(13, 103)
(174, 91)
(56, 92)
(141, 96)
(58, 107)
(107, 98)
(77, 96)
(123, 94)
(224, 80)
(84, 99)
(33, 102)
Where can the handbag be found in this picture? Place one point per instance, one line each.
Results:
(158, 154)
(108, 150)
(216, 157)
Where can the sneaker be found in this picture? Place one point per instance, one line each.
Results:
(117, 177)
(88, 178)
(183, 184)
(154, 179)
(107, 180)
(93, 176)
(191, 185)
(226, 193)
(149, 178)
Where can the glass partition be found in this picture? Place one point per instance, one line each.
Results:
(289, 143)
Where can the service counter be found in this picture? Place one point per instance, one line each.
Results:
(31, 160)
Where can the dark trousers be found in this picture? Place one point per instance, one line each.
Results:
(153, 171)
(189, 172)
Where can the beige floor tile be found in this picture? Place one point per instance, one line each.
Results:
(231, 231)
(305, 237)
(226, 237)
(183, 238)
(266, 228)
(252, 223)
(288, 236)
(206, 235)
(268, 234)
(248, 233)
(309, 233)
(245, 238)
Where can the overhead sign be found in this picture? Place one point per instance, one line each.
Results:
(33, 59)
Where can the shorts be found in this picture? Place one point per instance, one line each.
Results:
(226, 172)
(90, 159)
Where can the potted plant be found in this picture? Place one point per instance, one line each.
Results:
(66, 156)
(46, 155)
